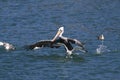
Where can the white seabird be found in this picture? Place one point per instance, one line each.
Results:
(7, 46)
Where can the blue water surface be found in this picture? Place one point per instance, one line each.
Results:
(24, 22)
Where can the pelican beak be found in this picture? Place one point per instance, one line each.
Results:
(57, 34)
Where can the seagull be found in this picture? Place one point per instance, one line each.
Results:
(101, 37)
(7, 46)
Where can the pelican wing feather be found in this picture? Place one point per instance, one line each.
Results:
(45, 43)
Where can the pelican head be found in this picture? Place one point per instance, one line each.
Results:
(59, 33)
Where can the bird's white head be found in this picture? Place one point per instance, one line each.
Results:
(61, 28)
(59, 33)
(101, 37)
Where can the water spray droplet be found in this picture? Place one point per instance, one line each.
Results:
(102, 48)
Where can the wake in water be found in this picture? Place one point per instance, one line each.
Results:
(101, 49)
(76, 48)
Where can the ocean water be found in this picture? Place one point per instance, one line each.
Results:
(24, 22)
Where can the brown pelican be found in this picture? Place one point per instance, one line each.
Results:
(57, 41)
(7, 46)
(67, 42)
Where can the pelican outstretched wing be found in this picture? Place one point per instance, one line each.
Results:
(75, 41)
(44, 43)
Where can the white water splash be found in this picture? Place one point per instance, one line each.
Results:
(102, 48)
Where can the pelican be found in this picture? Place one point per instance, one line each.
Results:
(7, 46)
(58, 41)
(67, 42)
